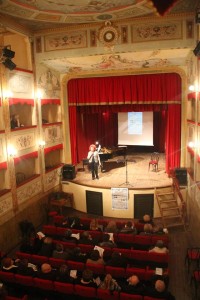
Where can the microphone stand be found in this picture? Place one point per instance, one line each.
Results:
(126, 182)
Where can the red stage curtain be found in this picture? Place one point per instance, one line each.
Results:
(90, 121)
(173, 137)
(136, 89)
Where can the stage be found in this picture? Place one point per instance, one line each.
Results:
(131, 171)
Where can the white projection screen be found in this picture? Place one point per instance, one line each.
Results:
(135, 128)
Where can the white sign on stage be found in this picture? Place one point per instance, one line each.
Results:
(119, 198)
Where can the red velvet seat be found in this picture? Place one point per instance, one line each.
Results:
(24, 280)
(125, 238)
(142, 242)
(44, 284)
(25, 297)
(116, 272)
(75, 265)
(60, 231)
(125, 296)
(164, 238)
(152, 298)
(154, 161)
(159, 260)
(192, 256)
(56, 262)
(7, 277)
(22, 255)
(107, 295)
(49, 230)
(39, 259)
(85, 291)
(97, 269)
(64, 288)
(85, 248)
(139, 258)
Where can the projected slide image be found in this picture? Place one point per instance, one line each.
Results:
(135, 128)
(134, 122)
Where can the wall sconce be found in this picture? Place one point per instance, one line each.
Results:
(42, 144)
(39, 94)
(12, 152)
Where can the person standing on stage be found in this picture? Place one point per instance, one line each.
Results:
(94, 161)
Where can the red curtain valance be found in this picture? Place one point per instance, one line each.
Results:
(132, 89)
(3, 165)
(50, 101)
(194, 95)
(50, 149)
(26, 156)
(21, 101)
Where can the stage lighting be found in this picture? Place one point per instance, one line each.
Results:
(8, 53)
(196, 51)
(9, 64)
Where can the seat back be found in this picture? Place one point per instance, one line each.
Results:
(155, 157)
(39, 259)
(75, 265)
(85, 291)
(56, 262)
(64, 288)
(125, 296)
(142, 242)
(97, 269)
(107, 295)
(49, 230)
(116, 272)
(140, 272)
(24, 280)
(44, 284)
(7, 276)
(22, 255)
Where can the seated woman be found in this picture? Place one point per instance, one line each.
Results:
(94, 225)
(129, 228)
(111, 227)
(63, 274)
(109, 283)
(107, 242)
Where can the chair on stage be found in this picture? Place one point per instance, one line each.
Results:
(154, 161)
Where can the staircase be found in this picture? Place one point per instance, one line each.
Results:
(171, 205)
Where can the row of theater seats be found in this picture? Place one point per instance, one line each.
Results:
(135, 258)
(130, 240)
(55, 287)
(58, 219)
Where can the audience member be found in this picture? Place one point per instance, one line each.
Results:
(74, 222)
(47, 247)
(129, 228)
(134, 286)
(111, 227)
(95, 258)
(107, 242)
(25, 269)
(37, 242)
(146, 219)
(94, 225)
(8, 265)
(68, 237)
(159, 247)
(158, 229)
(159, 291)
(63, 274)
(87, 279)
(148, 229)
(117, 260)
(110, 284)
(46, 272)
(86, 239)
(77, 255)
(60, 253)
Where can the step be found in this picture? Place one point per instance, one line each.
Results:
(172, 216)
(163, 194)
(170, 208)
(167, 201)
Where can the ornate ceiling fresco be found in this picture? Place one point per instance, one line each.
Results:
(52, 13)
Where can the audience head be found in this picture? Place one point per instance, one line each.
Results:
(111, 226)
(129, 224)
(68, 233)
(7, 262)
(106, 237)
(23, 263)
(63, 270)
(85, 235)
(59, 247)
(48, 240)
(148, 228)
(146, 218)
(160, 244)
(87, 275)
(133, 280)
(94, 255)
(46, 268)
(94, 224)
(77, 251)
(160, 286)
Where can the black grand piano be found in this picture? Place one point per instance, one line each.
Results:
(108, 161)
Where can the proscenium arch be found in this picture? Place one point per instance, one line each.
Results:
(65, 112)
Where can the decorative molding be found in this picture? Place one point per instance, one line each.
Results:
(69, 40)
(108, 34)
(29, 190)
(157, 31)
(5, 204)
(21, 84)
(52, 134)
(52, 179)
(24, 141)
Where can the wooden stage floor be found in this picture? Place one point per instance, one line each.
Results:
(136, 175)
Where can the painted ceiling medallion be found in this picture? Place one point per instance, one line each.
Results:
(108, 34)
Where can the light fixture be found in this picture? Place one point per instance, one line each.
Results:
(6, 55)
(12, 152)
(42, 144)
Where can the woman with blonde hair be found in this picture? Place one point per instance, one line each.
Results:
(110, 284)
(94, 225)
